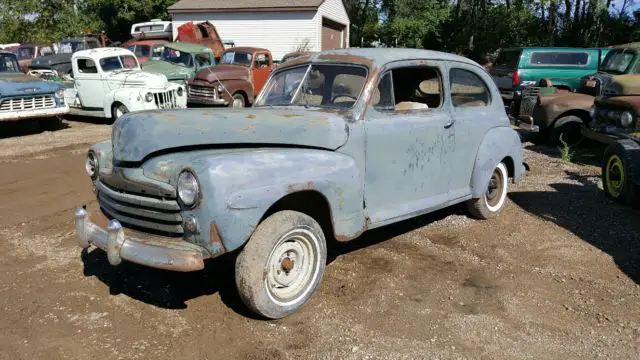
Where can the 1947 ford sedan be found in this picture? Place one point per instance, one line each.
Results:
(338, 142)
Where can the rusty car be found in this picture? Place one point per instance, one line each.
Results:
(338, 143)
(58, 66)
(27, 52)
(180, 61)
(557, 114)
(24, 98)
(235, 82)
(616, 122)
(145, 50)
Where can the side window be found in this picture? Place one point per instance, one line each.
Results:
(560, 58)
(382, 97)
(87, 66)
(262, 61)
(467, 89)
(417, 88)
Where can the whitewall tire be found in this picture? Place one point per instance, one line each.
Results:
(495, 196)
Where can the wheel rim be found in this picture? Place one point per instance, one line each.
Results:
(292, 266)
(238, 102)
(496, 189)
(615, 176)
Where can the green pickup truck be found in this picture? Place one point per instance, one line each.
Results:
(517, 68)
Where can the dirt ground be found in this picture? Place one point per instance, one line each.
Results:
(555, 276)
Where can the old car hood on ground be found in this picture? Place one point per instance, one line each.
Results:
(170, 70)
(222, 72)
(137, 135)
(48, 60)
(136, 78)
(18, 84)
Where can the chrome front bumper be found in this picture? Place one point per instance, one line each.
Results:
(526, 123)
(168, 254)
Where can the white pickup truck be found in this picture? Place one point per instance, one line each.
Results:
(108, 82)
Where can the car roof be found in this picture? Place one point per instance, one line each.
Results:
(147, 42)
(248, 49)
(188, 47)
(378, 57)
(101, 52)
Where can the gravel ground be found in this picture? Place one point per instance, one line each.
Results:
(555, 276)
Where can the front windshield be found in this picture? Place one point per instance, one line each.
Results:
(240, 58)
(177, 57)
(69, 47)
(124, 62)
(322, 85)
(25, 53)
(617, 62)
(9, 63)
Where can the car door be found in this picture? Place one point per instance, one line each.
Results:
(260, 71)
(88, 83)
(473, 115)
(408, 143)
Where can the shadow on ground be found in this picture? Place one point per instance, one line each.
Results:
(588, 152)
(580, 208)
(171, 290)
(29, 127)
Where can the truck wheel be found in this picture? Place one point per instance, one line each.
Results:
(282, 265)
(118, 111)
(237, 101)
(570, 131)
(617, 167)
(490, 204)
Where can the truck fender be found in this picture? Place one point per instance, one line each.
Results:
(239, 188)
(235, 85)
(127, 97)
(498, 143)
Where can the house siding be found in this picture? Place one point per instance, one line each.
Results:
(332, 10)
(280, 32)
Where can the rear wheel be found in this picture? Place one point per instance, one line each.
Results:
(617, 172)
(492, 202)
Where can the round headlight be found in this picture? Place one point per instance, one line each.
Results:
(180, 91)
(91, 164)
(149, 97)
(60, 93)
(220, 88)
(188, 188)
(626, 119)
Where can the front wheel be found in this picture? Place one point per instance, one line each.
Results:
(282, 265)
(118, 111)
(237, 101)
(492, 202)
(570, 132)
(617, 170)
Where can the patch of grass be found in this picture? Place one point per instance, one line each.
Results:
(567, 154)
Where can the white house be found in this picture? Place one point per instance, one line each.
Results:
(281, 26)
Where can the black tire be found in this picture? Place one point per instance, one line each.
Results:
(261, 268)
(492, 202)
(570, 131)
(118, 110)
(238, 101)
(620, 162)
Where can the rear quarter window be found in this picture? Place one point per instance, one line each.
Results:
(559, 59)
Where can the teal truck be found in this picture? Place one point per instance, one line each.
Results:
(518, 68)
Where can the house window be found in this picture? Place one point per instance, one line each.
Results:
(467, 89)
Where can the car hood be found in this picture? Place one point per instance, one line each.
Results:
(49, 60)
(137, 135)
(19, 84)
(171, 71)
(222, 72)
(136, 78)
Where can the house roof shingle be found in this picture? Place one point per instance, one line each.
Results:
(242, 5)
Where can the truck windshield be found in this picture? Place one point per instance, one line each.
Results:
(617, 62)
(332, 86)
(177, 57)
(125, 62)
(240, 58)
(69, 47)
(9, 63)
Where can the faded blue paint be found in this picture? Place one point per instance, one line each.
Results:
(373, 167)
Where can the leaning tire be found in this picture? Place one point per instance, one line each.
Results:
(492, 202)
(282, 265)
(237, 101)
(618, 165)
(570, 131)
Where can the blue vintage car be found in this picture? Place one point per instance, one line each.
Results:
(24, 97)
(338, 142)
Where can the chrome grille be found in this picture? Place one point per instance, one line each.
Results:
(202, 91)
(166, 99)
(28, 103)
(142, 211)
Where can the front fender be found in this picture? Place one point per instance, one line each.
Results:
(498, 143)
(235, 85)
(239, 187)
(133, 99)
(554, 106)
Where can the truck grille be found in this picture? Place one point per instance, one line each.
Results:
(166, 99)
(202, 91)
(148, 213)
(28, 103)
